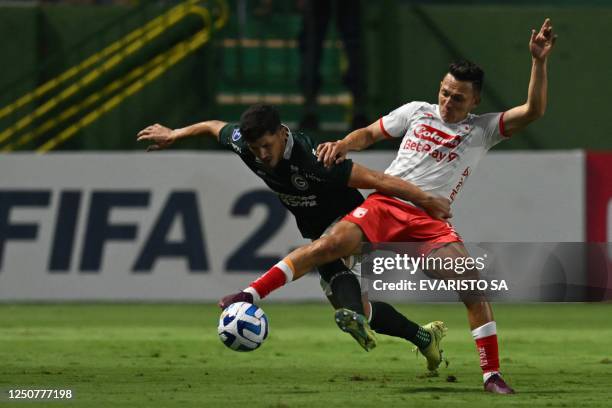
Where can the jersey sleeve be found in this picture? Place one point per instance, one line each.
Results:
(338, 174)
(493, 128)
(229, 137)
(396, 123)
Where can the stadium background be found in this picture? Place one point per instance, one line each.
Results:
(548, 184)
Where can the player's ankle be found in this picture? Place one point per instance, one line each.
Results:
(488, 374)
(253, 292)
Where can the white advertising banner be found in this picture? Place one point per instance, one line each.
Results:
(196, 226)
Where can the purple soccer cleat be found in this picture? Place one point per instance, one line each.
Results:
(235, 297)
(497, 385)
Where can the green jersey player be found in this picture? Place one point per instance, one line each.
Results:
(317, 196)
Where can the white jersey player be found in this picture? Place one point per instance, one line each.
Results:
(437, 156)
(440, 148)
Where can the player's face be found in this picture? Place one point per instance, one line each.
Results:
(456, 99)
(270, 147)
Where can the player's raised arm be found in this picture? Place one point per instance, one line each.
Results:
(162, 137)
(335, 152)
(436, 206)
(540, 46)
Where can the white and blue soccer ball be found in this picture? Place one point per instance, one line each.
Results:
(243, 326)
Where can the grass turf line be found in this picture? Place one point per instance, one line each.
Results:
(170, 355)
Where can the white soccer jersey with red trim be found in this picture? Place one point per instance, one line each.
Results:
(436, 156)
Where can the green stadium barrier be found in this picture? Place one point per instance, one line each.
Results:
(408, 44)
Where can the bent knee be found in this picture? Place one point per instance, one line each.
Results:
(332, 247)
(343, 240)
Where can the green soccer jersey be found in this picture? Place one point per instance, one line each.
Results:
(315, 195)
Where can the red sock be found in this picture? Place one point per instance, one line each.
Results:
(488, 353)
(276, 277)
(486, 343)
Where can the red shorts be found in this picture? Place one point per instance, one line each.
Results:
(386, 219)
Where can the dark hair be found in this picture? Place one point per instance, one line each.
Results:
(464, 70)
(258, 120)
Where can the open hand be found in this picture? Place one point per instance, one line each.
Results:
(160, 137)
(543, 41)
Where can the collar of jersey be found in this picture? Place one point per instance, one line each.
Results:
(289, 145)
(468, 117)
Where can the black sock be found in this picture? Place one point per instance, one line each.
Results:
(347, 291)
(386, 320)
(345, 287)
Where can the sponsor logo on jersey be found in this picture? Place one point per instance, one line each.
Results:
(299, 182)
(436, 136)
(236, 135)
(435, 154)
(312, 177)
(360, 212)
(298, 201)
(460, 183)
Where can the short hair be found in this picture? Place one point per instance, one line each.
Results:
(258, 120)
(464, 70)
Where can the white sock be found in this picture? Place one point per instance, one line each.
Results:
(253, 292)
(488, 375)
(486, 330)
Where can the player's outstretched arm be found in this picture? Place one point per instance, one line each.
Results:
(162, 137)
(541, 44)
(436, 206)
(331, 153)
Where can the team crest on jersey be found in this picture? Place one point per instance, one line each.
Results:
(236, 135)
(360, 212)
(299, 182)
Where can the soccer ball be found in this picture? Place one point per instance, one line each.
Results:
(243, 326)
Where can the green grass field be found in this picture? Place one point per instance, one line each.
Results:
(169, 355)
